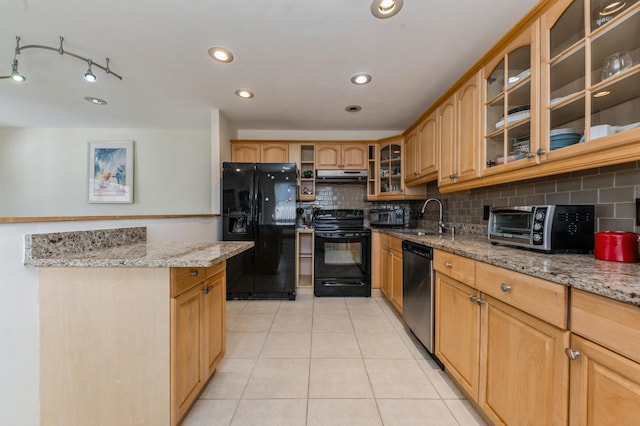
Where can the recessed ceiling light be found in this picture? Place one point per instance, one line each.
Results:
(386, 8)
(244, 93)
(353, 108)
(613, 7)
(601, 93)
(96, 101)
(221, 54)
(360, 78)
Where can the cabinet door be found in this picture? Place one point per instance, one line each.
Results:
(214, 322)
(354, 156)
(385, 266)
(187, 342)
(427, 152)
(605, 387)
(467, 157)
(458, 331)
(448, 150)
(524, 378)
(245, 152)
(411, 157)
(376, 259)
(396, 279)
(328, 156)
(274, 153)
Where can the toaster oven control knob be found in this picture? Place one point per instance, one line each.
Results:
(539, 216)
(537, 237)
(537, 226)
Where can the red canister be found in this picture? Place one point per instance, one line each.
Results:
(616, 246)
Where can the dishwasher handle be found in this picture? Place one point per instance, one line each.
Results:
(417, 249)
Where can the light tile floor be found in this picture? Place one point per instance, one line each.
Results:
(326, 361)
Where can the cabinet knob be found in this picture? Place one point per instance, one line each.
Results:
(389, 253)
(472, 298)
(571, 354)
(194, 273)
(505, 287)
(480, 302)
(453, 176)
(530, 154)
(447, 265)
(205, 290)
(541, 151)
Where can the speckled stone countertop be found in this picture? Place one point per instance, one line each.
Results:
(615, 280)
(124, 247)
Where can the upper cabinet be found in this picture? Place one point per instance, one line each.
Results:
(459, 134)
(421, 152)
(341, 156)
(591, 91)
(511, 105)
(387, 160)
(260, 152)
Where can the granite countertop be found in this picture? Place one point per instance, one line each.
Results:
(615, 280)
(124, 247)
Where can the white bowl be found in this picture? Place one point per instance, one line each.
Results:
(601, 131)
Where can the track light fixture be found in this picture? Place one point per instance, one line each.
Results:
(89, 75)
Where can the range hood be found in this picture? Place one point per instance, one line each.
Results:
(341, 176)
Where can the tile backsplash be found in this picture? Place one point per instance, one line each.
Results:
(613, 190)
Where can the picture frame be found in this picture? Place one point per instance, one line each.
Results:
(111, 172)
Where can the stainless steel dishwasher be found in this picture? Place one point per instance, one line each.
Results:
(418, 292)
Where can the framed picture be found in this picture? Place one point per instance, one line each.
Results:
(111, 172)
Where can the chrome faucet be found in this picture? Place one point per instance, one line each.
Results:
(441, 227)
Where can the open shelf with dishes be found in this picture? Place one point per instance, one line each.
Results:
(372, 171)
(307, 184)
(510, 93)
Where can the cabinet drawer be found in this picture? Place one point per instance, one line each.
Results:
(216, 269)
(535, 296)
(184, 278)
(457, 267)
(395, 244)
(610, 323)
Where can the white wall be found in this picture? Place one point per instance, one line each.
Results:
(44, 172)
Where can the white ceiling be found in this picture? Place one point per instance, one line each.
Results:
(296, 55)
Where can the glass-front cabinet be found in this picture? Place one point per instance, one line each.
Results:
(510, 137)
(390, 168)
(591, 57)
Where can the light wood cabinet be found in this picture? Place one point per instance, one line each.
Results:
(303, 154)
(197, 332)
(498, 349)
(386, 181)
(341, 156)
(459, 134)
(259, 152)
(304, 257)
(457, 341)
(524, 373)
(421, 152)
(390, 256)
(605, 361)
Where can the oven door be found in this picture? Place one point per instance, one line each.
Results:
(342, 264)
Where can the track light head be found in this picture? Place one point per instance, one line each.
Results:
(89, 75)
(15, 74)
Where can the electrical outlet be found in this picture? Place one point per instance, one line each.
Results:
(485, 212)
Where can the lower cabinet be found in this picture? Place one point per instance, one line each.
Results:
(391, 269)
(605, 361)
(511, 362)
(197, 333)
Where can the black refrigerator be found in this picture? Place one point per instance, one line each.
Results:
(259, 205)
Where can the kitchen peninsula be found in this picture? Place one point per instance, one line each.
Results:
(130, 331)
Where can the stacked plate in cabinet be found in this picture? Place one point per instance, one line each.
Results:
(561, 138)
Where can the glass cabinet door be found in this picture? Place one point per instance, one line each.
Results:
(508, 107)
(592, 59)
(390, 168)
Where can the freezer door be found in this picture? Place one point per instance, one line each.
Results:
(238, 209)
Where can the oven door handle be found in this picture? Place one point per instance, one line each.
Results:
(342, 237)
(339, 284)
